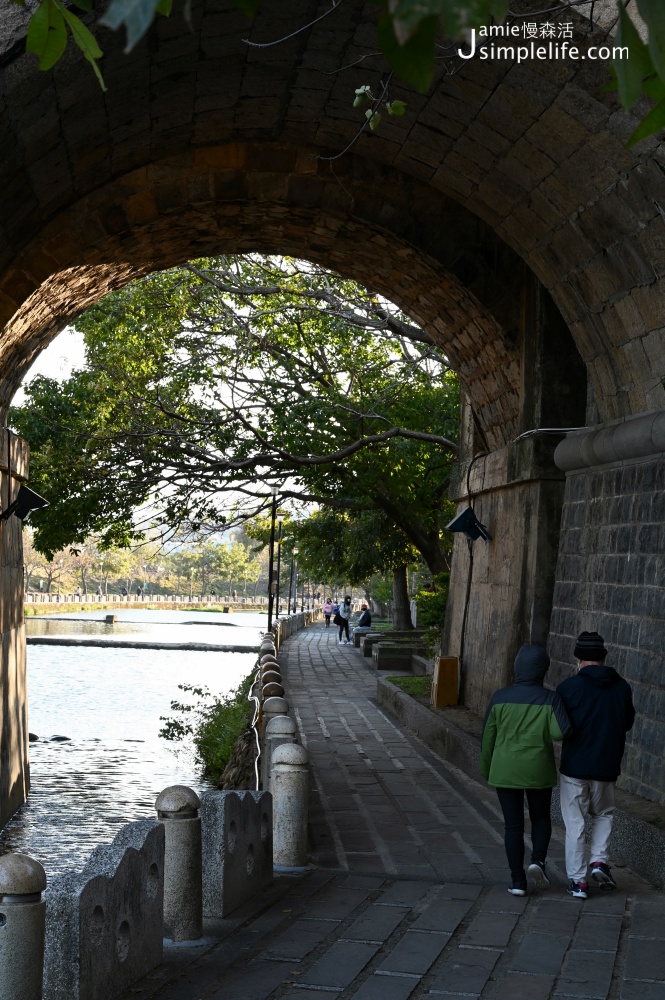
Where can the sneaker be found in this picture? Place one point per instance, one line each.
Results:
(536, 872)
(602, 874)
(341, 643)
(580, 890)
(517, 888)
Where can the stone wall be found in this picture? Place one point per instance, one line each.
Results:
(14, 763)
(611, 577)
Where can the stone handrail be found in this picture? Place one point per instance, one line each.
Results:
(100, 930)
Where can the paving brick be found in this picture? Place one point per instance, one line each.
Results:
(541, 953)
(645, 955)
(255, 982)
(385, 988)
(377, 923)
(522, 987)
(415, 953)
(585, 974)
(443, 915)
(491, 930)
(642, 991)
(337, 902)
(340, 965)
(300, 938)
(598, 931)
(402, 893)
(466, 972)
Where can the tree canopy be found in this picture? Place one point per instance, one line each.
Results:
(209, 383)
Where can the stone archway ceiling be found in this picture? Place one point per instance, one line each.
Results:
(202, 145)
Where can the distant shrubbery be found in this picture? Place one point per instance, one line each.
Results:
(431, 604)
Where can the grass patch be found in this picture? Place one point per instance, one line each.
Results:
(213, 723)
(418, 687)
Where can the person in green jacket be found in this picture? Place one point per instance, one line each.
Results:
(517, 758)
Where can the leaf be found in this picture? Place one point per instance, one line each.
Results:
(652, 123)
(413, 61)
(136, 15)
(47, 34)
(631, 71)
(164, 7)
(455, 15)
(653, 12)
(86, 41)
(654, 87)
(249, 7)
(396, 108)
(85, 5)
(363, 95)
(375, 121)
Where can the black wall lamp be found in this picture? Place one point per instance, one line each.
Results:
(26, 501)
(469, 525)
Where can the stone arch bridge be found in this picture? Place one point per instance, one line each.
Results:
(503, 213)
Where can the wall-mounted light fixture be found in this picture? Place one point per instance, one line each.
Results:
(469, 525)
(26, 501)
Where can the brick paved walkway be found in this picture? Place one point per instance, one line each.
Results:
(408, 899)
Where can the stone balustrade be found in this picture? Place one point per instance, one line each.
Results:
(100, 930)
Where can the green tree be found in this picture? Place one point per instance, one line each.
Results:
(207, 382)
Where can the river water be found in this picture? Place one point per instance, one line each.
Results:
(108, 703)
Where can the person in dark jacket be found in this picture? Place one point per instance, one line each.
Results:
(517, 758)
(599, 704)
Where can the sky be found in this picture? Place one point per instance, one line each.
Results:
(60, 358)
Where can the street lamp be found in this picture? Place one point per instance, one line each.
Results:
(60, 577)
(99, 589)
(271, 555)
(294, 553)
(280, 518)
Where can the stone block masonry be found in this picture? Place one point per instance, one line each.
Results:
(104, 924)
(611, 577)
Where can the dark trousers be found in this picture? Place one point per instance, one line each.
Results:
(344, 627)
(539, 801)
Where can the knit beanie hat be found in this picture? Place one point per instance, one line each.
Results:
(589, 646)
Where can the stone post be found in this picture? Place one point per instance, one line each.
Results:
(289, 786)
(280, 729)
(177, 808)
(22, 920)
(271, 707)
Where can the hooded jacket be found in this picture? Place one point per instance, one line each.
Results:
(520, 724)
(599, 704)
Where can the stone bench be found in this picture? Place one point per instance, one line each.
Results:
(395, 655)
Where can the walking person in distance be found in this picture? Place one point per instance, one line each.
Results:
(599, 704)
(344, 615)
(327, 611)
(517, 758)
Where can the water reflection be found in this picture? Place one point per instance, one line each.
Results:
(108, 703)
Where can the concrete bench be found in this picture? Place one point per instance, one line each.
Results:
(395, 655)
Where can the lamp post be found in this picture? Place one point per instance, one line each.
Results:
(271, 555)
(60, 576)
(294, 553)
(302, 595)
(191, 582)
(280, 519)
(101, 578)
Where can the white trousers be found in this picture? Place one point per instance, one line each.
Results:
(581, 798)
